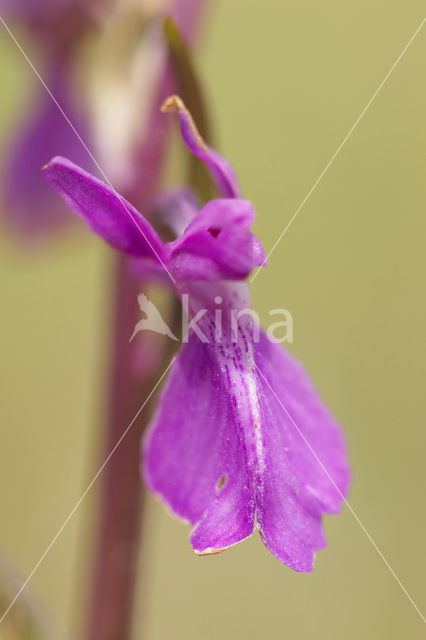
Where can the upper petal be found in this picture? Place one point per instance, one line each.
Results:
(175, 209)
(220, 170)
(106, 212)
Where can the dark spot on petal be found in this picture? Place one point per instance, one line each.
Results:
(256, 426)
(221, 482)
(214, 231)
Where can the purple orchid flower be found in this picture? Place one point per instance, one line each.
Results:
(239, 431)
(30, 208)
(58, 26)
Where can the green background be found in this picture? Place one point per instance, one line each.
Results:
(286, 81)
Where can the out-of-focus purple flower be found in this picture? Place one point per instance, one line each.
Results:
(29, 208)
(60, 20)
(57, 27)
(228, 441)
(36, 12)
(132, 80)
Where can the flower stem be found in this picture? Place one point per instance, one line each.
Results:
(134, 367)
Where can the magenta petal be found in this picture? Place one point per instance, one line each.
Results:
(108, 214)
(219, 168)
(28, 10)
(31, 207)
(218, 244)
(176, 208)
(203, 258)
(223, 213)
(223, 444)
(306, 471)
(195, 452)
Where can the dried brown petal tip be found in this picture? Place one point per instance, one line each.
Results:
(173, 104)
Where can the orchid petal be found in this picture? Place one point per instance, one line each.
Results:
(305, 466)
(176, 209)
(223, 213)
(31, 207)
(106, 213)
(251, 437)
(218, 244)
(220, 170)
(30, 10)
(202, 257)
(195, 452)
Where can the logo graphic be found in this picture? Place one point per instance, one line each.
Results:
(153, 320)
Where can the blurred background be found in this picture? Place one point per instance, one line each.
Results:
(285, 81)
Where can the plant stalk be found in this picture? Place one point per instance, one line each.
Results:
(134, 372)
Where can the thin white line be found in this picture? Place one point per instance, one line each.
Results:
(64, 115)
(80, 500)
(164, 373)
(344, 499)
(363, 112)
